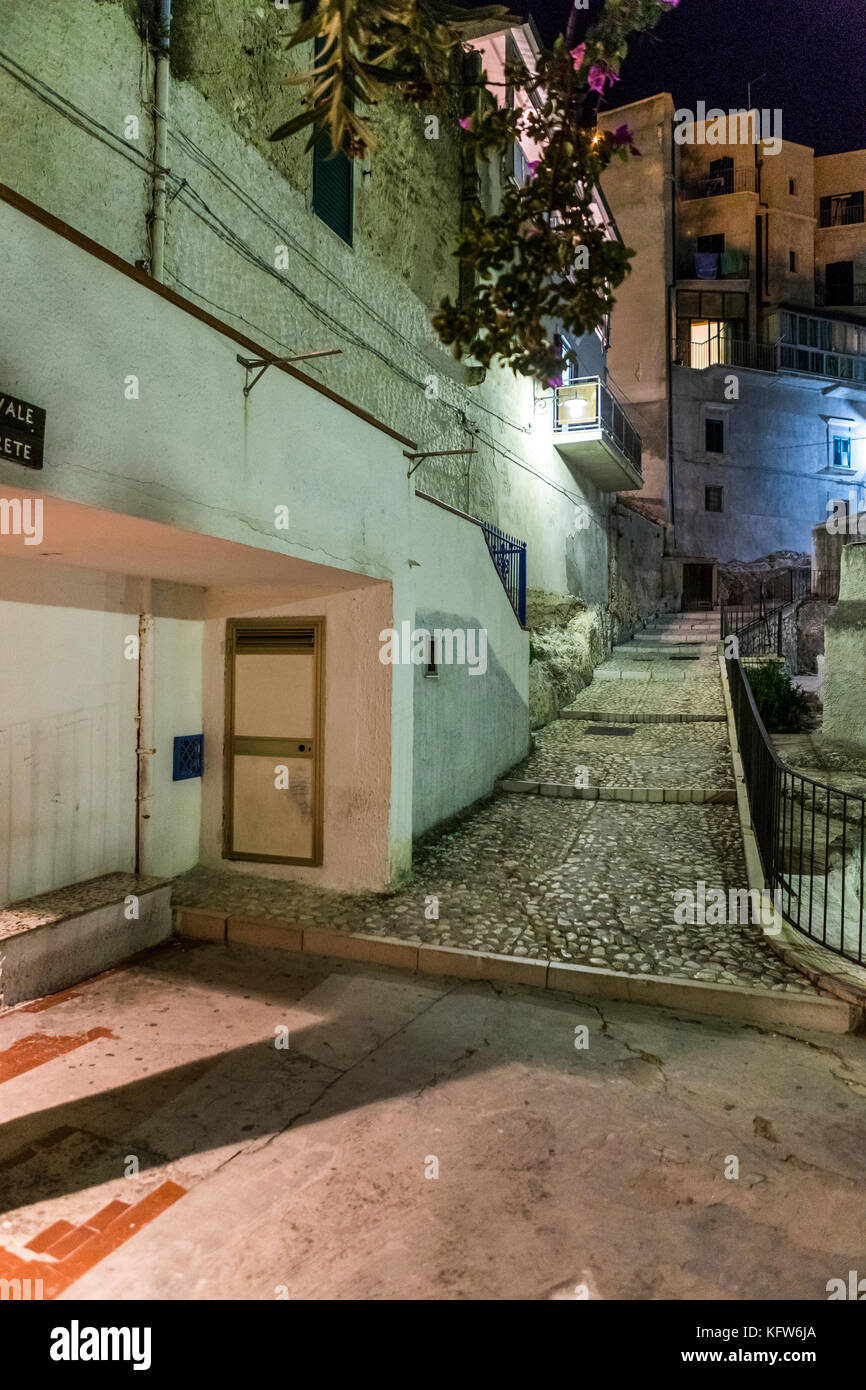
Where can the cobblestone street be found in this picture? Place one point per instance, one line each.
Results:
(551, 878)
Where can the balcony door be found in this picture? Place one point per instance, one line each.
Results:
(839, 282)
(273, 740)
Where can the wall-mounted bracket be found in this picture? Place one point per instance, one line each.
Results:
(418, 459)
(251, 363)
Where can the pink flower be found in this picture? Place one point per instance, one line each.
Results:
(577, 56)
(532, 168)
(622, 136)
(599, 75)
(465, 122)
(555, 381)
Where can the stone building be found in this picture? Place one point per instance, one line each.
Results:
(741, 334)
(258, 463)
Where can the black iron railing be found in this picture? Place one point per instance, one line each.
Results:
(509, 557)
(743, 180)
(811, 836)
(757, 623)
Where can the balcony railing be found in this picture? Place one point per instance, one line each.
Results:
(719, 185)
(841, 215)
(586, 406)
(726, 352)
(840, 299)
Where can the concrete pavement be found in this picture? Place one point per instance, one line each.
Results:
(418, 1138)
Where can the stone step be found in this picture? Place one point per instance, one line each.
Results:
(680, 796)
(595, 716)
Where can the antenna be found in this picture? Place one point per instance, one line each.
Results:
(754, 82)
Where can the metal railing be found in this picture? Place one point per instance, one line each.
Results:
(839, 299)
(810, 835)
(719, 185)
(586, 404)
(841, 214)
(726, 352)
(509, 557)
(757, 623)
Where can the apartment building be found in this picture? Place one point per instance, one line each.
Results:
(739, 335)
(266, 548)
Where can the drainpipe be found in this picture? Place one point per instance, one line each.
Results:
(160, 140)
(144, 749)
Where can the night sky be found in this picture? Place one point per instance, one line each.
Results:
(813, 52)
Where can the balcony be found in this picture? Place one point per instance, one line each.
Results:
(720, 185)
(713, 265)
(591, 432)
(853, 297)
(842, 213)
(723, 351)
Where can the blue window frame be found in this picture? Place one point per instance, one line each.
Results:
(841, 451)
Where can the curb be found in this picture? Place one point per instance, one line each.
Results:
(679, 796)
(742, 1004)
(619, 717)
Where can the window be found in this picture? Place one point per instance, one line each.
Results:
(721, 177)
(792, 187)
(792, 261)
(333, 181)
(713, 498)
(714, 436)
(841, 455)
(431, 666)
(708, 339)
(709, 245)
(841, 210)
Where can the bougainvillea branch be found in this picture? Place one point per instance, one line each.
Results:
(542, 263)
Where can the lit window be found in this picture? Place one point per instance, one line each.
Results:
(707, 342)
(841, 450)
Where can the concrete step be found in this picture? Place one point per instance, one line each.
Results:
(677, 796)
(60, 938)
(596, 716)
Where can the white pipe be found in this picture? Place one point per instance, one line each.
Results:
(160, 140)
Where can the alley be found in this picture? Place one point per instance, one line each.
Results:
(582, 874)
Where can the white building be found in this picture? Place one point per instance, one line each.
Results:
(212, 550)
(740, 335)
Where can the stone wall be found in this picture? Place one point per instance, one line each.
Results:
(570, 636)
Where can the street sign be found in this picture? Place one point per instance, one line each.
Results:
(22, 431)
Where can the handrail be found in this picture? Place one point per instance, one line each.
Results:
(507, 553)
(811, 836)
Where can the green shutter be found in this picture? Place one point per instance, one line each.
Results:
(332, 178)
(332, 189)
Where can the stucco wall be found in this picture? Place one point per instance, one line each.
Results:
(68, 700)
(775, 470)
(641, 202)
(469, 727)
(845, 654)
(371, 300)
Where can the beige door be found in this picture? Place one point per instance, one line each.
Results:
(273, 809)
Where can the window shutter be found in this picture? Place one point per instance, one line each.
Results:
(333, 180)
